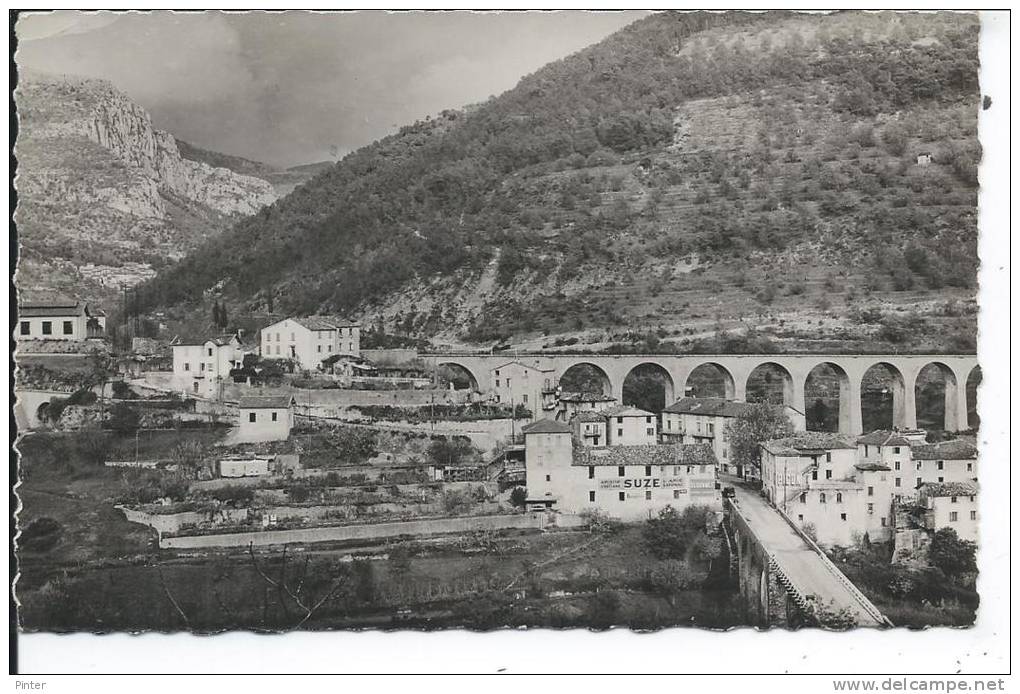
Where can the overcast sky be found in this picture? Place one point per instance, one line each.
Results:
(289, 88)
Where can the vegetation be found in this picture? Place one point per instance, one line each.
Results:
(760, 422)
(591, 172)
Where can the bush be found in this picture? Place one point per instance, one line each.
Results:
(519, 496)
(41, 535)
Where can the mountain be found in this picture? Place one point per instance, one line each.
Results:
(282, 180)
(696, 181)
(104, 197)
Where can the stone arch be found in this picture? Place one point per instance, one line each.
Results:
(973, 382)
(669, 388)
(903, 416)
(841, 397)
(728, 390)
(599, 372)
(785, 387)
(464, 370)
(42, 413)
(950, 401)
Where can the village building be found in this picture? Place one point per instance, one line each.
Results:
(516, 383)
(704, 420)
(589, 428)
(950, 505)
(58, 318)
(816, 479)
(913, 461)
(569, 403)
(265, 418)
(630, 426)
(202, 367)
(629, 482)
(310, 339)
(245, 466)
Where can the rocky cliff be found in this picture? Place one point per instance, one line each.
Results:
(99, 184)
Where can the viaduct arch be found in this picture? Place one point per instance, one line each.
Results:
(738, 368)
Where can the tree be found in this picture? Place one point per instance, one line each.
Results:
(951, 555)
(760, 422)
(518, 496)
(672, 576)
(92, 445)
(124, 419)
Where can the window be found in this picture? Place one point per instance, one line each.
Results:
(918, 482)
(865, 450)
(275, 416)
(26, 327)
(711, 428)
(68, 328)
(209, 351)
(842, 516)
(648, 420)
(318, 348)
(897, 481)
(620, 472)
(591, 472)
(803, 497)
(871, 508)
(648, 470)
(650, 431)
(882, 519)
(918, 465)
(871, 491)
(839, 497)
(47, 327)
(940, 465)
(623, 496)
(591, 496)
(648, 495)
(896, 449)
(897, 465)
(973, 515)
(970, 467)
(952, 499)
(800, 517)
(828, 457)
(814, 474)
(942, 479)
(953, 516)
(278, 349)
(619, 432)
(201, 367)
(821, 498)
(187, 366)
(497, 373)
(548, 478)
(277, 338)
(524, 398)
(669, 423)
(251, 416)
(619, 420)
(497, 382)
(828, 474)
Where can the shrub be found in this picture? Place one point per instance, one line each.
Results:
(41, 535)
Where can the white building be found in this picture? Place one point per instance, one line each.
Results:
(629, 482)
(518, 383)
(914, 462)
(704, 420)
(951, 505)
(58, 318)
(630, 426)
(201, 368)
(240, 466)
(589, 428)
(569, 404)
(265, 418)
(815, 478)
(310, 339)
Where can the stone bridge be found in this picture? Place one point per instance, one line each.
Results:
(785, 579)
(737, 369)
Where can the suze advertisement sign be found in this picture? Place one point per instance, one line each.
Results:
(639, 483)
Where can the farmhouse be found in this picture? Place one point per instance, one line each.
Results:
(630, 482)
(516, 383)
(265, 418)
(201, 367)
(952, 505)
(58, 318)
(570, 403)
(630, 426)
(310, 339)
(913, 461)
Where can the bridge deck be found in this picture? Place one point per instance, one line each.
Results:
(806, 570)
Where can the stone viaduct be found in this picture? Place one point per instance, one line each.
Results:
(737, 369)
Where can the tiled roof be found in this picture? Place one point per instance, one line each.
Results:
(589, 416)
(806, 441)
(568, 396)
(685, 454)
(948, 489)
(323, 322)
(626, 411)
(955, 449)
(717, 407)
(54, 310)
(520, 363)
(884, 437)
(265, 402)
(546, 426)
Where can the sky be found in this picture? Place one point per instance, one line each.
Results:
(291, 88)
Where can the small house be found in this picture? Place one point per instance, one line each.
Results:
(265, 418)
